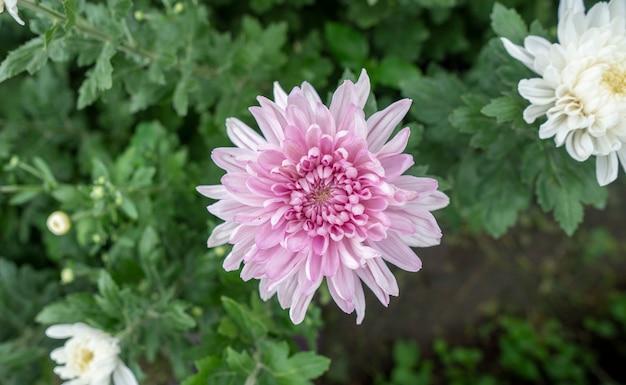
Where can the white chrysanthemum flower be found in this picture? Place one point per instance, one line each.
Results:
(582, 88)
(59, 223)
(11, 6)
(89, 357)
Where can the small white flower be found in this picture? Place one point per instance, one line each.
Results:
(11, 6)
(89, 357)
(582, 88)
(58, 222)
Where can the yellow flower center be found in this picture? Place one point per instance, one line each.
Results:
(614, 78)
(85, 356)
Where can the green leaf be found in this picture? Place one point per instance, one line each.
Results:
(66, 193)
(241, 362)
(110, 299)
(128, 207)
(98, 79)
(23, 197)
(504, 109)
(503, 196)
(249, 324)
(212, 370)
(119, 8)
(508, 23)
(49, 34)
(177, 319)
(99, 170)
(75, 308)
(180, 99)
(70, 13)
(348, 45)
(30, 57)
(393, 71)
(147, 243)
(42, 166)
(306, 365)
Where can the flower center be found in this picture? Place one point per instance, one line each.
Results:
(614, 79)
(321, 195)
(84, 358)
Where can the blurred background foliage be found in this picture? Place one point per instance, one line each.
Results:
(109, 111)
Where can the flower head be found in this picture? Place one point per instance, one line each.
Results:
(89, 357)
(11, 6)
(321, 195)
(59, 223)
(582, 88)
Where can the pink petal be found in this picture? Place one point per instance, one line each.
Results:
(362, 89)
(221, 233)
(396, 145)
(242, 135)
(382, 123)
(268, 123)
(394, 250)
(396, 165)
(213, 192)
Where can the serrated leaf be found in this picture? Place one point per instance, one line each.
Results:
(109, 299)
(98, 79)
(503, 196)
(177, 319)
(508, 23)
(30, 57)
(504, 109)
(70, 13)
(249, 324)
(568, 211)
(241, 362)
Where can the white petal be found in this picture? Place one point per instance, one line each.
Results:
(536, 91)
(123, 375)
(61, 331)
(519, 53)
(579, 145)
(617, 8)
(598, 15)
(606, 168)
(570, 5)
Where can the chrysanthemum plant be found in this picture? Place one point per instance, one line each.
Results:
(113, 112)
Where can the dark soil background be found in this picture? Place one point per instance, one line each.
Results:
(535, 270)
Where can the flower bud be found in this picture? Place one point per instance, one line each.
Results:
(59, 223)
(67, 275)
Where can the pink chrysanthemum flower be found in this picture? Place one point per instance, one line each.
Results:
(322, 195)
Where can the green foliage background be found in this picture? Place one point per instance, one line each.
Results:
(109, 111)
